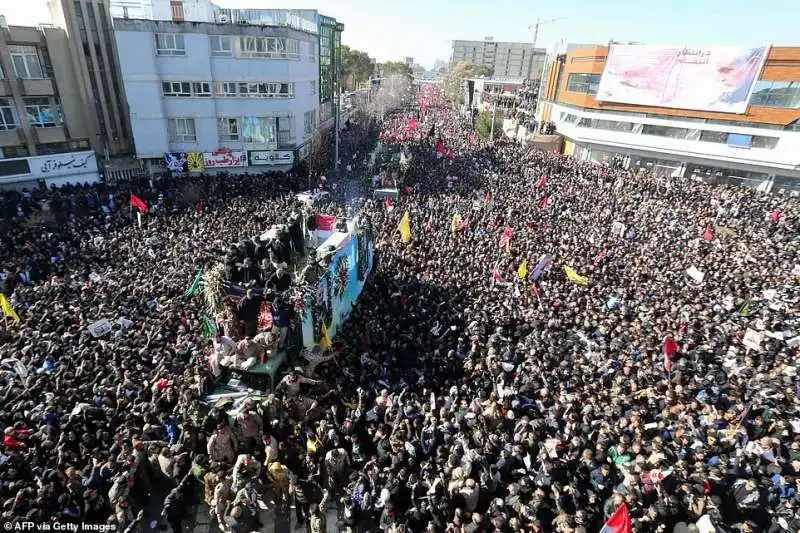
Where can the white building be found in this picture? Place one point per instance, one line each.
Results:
(207, 93)
(506, 59)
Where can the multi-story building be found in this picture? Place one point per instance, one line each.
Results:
(92, 55)
(45, 137)
(726, 114)
(506, 59)
(230, 89)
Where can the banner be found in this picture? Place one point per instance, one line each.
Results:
(194, 161)
(224, 159)
(719, 78)
(176, 162)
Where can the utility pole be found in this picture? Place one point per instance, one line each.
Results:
(494, 114)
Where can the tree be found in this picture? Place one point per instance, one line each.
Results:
(395, 67)
(483, 124)
(462, 69)
(356, 67)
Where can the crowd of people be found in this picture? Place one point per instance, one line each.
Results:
(478, 386)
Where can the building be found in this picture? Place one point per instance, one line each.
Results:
(238, 90)
(740, 125)
(90, 51)
(45, 137)
(506, 59)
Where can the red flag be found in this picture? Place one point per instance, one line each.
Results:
(543, 202)
(463, 225)
(412, 124)
(505, 238)
(496, 274)
(388, 202)
(138, 203)
(488, 199)
(450, 155)
(619, 522)
(440, 146)
(775, 216)
(669, 347)
(708, 235)
(600, 256)
(326, 222)
(542, 182)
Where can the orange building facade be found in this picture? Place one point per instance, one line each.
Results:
(759, 147)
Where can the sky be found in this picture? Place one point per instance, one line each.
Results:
(391, 30)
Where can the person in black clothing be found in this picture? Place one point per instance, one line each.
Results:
(280, 281)
(249, 307)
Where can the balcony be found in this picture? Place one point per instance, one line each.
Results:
(11, 137)
(5, 88)
(49, 135)
(40, 87)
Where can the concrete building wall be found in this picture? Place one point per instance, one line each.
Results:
(144, 72)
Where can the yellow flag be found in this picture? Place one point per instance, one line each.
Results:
(405, 228)
(522, 271)
(325, 341)
(7, 309)
(574, 277)
(455, 222)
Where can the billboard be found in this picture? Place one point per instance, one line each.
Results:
(719, 78)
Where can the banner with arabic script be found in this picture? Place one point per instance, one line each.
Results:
(718, 78)
(224, 159)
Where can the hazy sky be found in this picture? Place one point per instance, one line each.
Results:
(423, 29)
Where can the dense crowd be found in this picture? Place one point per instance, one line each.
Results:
(469, 391)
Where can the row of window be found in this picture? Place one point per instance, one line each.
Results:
(26, 62)
(246, 46)
(690, 134)
(794, 126)
(41, 113)
(232, 89)
(766, 93)
(250, 130)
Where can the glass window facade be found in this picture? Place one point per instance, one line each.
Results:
(583, 83)
(783, 94)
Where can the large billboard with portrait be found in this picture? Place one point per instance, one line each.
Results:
(718, 78)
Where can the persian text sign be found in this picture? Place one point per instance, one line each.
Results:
(224, 159)
(719, 78)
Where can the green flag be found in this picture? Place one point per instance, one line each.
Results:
(209, 328)
(195, 286)
(748, 308)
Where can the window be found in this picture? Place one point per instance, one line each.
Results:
(41, 113)
(250, 46)
(170, 44)
(177, 10)
(266, 90)
(310, 122)
(583, 83)
(225, 88)
(26, 62)
(312, 87)
(228, 129)
(8, 120)
(258, 130)
(665, 131)
(784, 94)
(176, 88)
(720, 137)
(312, 52)
(221, 46)
(181, 130)
(761, 141)
(201, 88)
(186, 88)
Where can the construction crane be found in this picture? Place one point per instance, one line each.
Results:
(535, 28)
